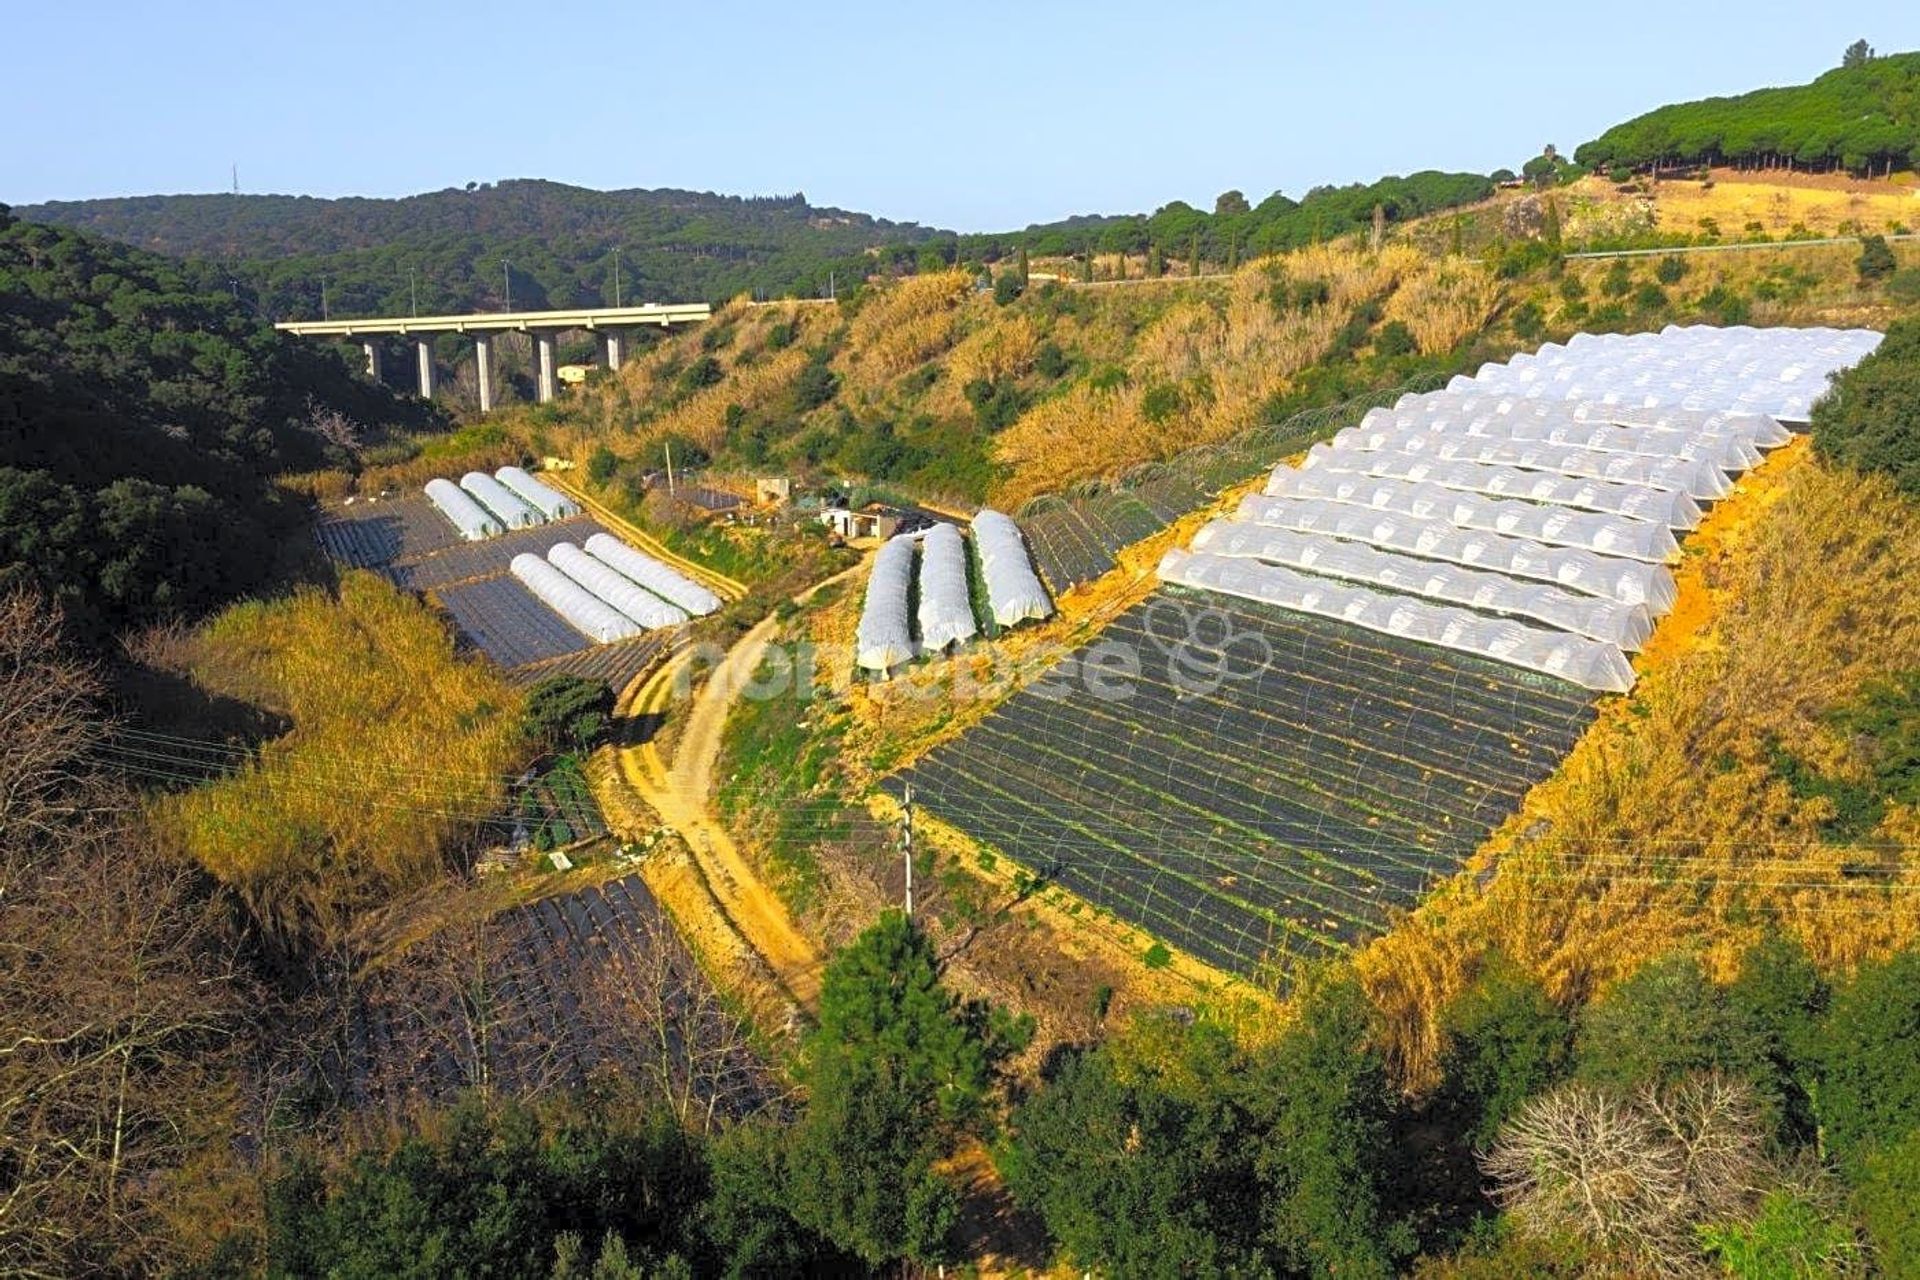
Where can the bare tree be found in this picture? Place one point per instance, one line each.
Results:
(332, 426)
(120, 993)
(1637, 1176)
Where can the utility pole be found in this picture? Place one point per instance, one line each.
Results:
(506, 274)
(236, 179)
(323, 299)
(616, 279)
(906, 841)
(413, 294)
(669, 445)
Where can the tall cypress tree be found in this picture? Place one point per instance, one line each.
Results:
(1193, 256)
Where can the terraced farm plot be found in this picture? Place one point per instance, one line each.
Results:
(508, 623)
(1270, 786)
(466, 560)
(615, 664)
(372, 535)
(568, 990)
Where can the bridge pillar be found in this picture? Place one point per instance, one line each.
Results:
(543, 366)
(613, 345)
(423, 348)
(372, 347)
(483, 369)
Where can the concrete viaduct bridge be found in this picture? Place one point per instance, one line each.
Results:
(610, 324)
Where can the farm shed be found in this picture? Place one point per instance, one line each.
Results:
(1592, 664)
(645, 608)
(883, 640)
(513, 511)
(946, 606)
(1014, 593)
(662, 580)
(544, 498)
(585, 612)
(474, 521)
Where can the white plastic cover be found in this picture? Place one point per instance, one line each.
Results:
(1626, 625)
(645, 608)
(1730, 453)
(1557, 526)
(662, 580)
(513, 510)
(946, 608)
(1628, 581)
(544, 498)
(1698, 479)
(883, 640)
(1014, 592)
(1636, 502)
(1593, 664)
(584, 612)
(474, 521)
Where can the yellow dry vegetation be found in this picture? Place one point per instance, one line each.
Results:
(397, 747)
(1445, 302)
(702, 416)
(1002, 348)
(1224, 357)
(1667, 827)
(907, 322)
(1778, 206)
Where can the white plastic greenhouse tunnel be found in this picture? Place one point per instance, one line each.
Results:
(474, 521)
(510, 508)
(542, 497)
(946, 606)
(583, 611)
(662, 580)
(1014, 593)
(1592, 664)
(1527, 513)
(645, 608)
(884, 640)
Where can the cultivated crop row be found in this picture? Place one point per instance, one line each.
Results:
(507, 623)
(1266, 784)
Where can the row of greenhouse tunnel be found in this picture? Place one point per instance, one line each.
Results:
(920, 597)
(485, 506)
(1530, 513)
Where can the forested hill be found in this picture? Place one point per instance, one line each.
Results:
(1863, 117)
(554, 243)
(143, 417)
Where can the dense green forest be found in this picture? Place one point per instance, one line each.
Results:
(553, 245)
(143, 417)
(1863, 117)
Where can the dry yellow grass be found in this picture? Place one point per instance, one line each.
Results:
(909, 321)
(1225, 354)
(1667, 827)
(1734, 203)
(702, 416)
(1002, 348)
(397, 747)
(1446, 302)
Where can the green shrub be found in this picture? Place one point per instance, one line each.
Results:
(1876, 260)
(1649, 299)
(1672, 269)
(1888, 1201)
(1870, 1075)
(1529, 324)
(1618, 282)
(1870, 419)
(601, 465)
(1904, 286)
(1006, 287)
(1394, 339)
(1050, 361)
(1619, 175)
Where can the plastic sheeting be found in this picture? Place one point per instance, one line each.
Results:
(1014, 593)
(542, 497)
(1779, 372)
(584, 612)
(645, 608)
(1758, 429)
(946, 607)
(1636, 502)
(883, 640)
(1728, 452)
(1556, 526)
(1628, 581)
(513, 511)
(1621, 624)
(1697, 479)
(662, 580)
(474, 521)
(1593, 664)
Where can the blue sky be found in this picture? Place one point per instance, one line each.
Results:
(980, 116)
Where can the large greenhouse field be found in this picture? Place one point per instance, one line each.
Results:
(1271, 785)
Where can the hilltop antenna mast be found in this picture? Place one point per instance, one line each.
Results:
(236, 178)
